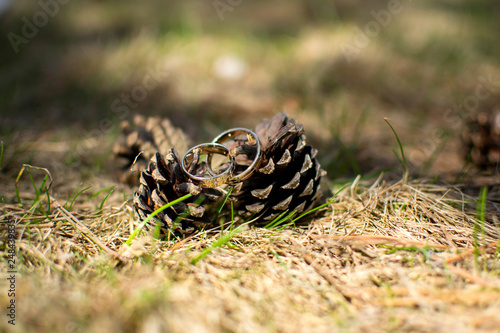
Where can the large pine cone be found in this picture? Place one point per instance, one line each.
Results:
(289, 175)
(140, 139)
(482, 140)
(288, 179)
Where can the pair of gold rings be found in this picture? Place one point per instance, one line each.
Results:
(249, 146)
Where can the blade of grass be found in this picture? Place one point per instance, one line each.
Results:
(101, 191)
(1, 155)
(18, 196)
(278, 257)
(42, 186)
(223, 203)
(39, 192)
(21, 172)
(482, 204)
(285, 225)
(280, 219)
(34, 185)
(76, 196)
(49, 204)
(359, 125)
(323, 205)
(156, 232)
(223, 240)
(110, 188)
(153, 214)
(179, 218)
(273, 222)
(479, 225)
(105, 198)
(434, 180)
(403, 158)
(72, 194)
(232, 216)
(283, 220)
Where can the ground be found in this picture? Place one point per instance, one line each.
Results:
(409, 241)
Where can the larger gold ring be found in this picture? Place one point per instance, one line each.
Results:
(252, 139)
(213, 180)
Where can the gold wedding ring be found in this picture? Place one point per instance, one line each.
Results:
(212, 180)
(252, 139)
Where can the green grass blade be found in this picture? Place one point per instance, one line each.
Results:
(41, 190)
(18, 196)
(482, 204)
(289, 217)
(276, 219)
(49, 203)
(1, 154)
(34, 185)
(72, 194)
(156, 232)
(313, 210)
(101, 191)
(479, 225)
(403, 158)
(37, 192)
(284, 219)
(110, 189)
(232, 216)
(153, 214)
(278, 257)
(105, 198)
(280, 219)
(76, 196)
(435, 179)
(219, 210)
(42, 186)
(223, 240)
(323, 205)
(198, 201)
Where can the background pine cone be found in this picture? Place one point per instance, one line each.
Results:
(481, 138)
(147, 135)
(289, 175)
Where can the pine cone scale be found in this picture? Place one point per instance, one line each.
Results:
(292, 184)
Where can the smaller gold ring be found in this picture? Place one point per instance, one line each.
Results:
(208, 149)
(253, 139)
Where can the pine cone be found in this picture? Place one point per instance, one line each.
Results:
(482, 140)
(140, 139)
(164, 182)
(289, 176)
(288, 179)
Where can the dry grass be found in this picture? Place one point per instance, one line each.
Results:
(388, 255)
(400, 256)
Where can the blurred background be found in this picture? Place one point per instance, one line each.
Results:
(71, 71)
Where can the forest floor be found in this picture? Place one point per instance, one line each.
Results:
(409, 243)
